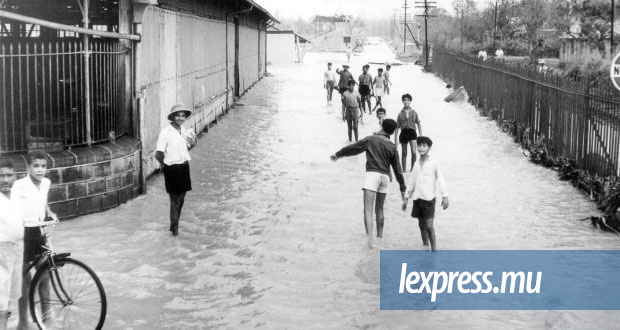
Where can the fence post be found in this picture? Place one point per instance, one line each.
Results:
(86, 63)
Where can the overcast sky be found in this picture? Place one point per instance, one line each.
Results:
(363, 8)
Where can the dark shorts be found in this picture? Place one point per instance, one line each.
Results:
(364, 90)
(177, 178)
(342, 89)
(423, 209)
(407, 134)
(33, 244)
(351, 114)
(329, 84)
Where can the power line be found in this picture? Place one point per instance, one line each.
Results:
(427, 5)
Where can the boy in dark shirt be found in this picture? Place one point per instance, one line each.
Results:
(380, 155)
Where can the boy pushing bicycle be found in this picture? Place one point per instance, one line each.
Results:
(30, 193)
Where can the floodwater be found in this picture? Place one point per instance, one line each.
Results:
(272, 235)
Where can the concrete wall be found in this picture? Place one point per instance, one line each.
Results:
(87, 180)
(249, 72)
(183, 61)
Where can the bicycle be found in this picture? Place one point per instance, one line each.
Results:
(76, 298)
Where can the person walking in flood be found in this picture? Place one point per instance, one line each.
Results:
(365, 82)
(381, 154)
(344, 76)
(388, 82)
(11, 243)
(343, 81)
(381, 114)
(351, 109)
(329, 79)
(407, 120)
(425, 178)
(378, 85)
(30, 194)
(172, 153)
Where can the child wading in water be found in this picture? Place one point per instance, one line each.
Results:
(351, 101)
(381, 113)
(387, 79)
(407, 120)
(379, 86)
(381, 154)
(425, 178)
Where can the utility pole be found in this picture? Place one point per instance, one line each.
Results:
(405, 29)
(426, 5)
(495, 24)
(392, 26)
(462, 16)
(613, 20)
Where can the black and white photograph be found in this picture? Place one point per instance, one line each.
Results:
(309, 164)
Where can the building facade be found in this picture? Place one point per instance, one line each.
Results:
(95, 95)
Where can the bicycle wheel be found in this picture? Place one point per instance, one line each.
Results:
(68, 296)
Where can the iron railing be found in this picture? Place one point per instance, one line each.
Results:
(576, 119)
(42, 94)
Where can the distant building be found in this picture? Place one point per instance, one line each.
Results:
(284, 45)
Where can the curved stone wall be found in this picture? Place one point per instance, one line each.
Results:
(87, 180)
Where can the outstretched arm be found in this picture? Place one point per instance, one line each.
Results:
(351, 150)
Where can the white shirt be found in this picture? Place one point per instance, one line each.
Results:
(329, 75)
(173, 145)
(11, 223)
(424, 181)
(32, 201)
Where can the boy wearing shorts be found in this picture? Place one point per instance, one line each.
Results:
(378, 85)
(425, 178)
(365, 81)
(329, 81)
(30, 193)
(350, 109)
(387, 79)
(381, 154)
(11, 243)
(407, 120)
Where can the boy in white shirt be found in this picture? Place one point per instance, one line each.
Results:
(30, 193)
(11, 243)
(172, 152)
(329, 81)
(425, 177)
(381, 113)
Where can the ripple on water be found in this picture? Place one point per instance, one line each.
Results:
(272, 234)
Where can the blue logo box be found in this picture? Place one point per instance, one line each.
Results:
(500, 280)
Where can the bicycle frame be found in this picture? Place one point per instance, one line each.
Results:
(50, 258)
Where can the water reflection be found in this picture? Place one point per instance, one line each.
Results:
(272, 234)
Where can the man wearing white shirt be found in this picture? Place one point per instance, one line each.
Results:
(425, 178)
(329, 81)
(172, 152)
(11, 243)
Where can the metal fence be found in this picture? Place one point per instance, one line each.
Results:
(42, 96)
(576, 119)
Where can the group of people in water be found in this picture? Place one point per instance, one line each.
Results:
(382, 153)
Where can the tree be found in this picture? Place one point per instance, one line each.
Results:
(594, 18)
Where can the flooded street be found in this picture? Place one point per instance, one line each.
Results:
(272, 235)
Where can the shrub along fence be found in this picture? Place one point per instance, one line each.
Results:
(568, 124)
